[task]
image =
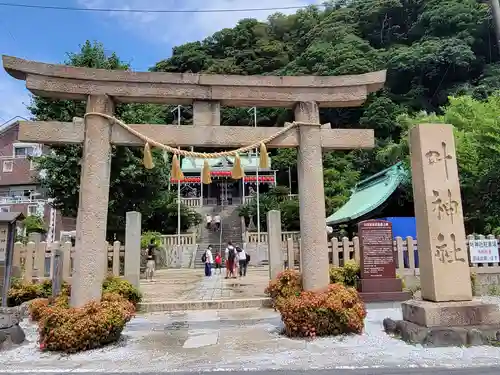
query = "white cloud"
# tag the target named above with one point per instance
(162, 28)
(13, 97)
(177, 28)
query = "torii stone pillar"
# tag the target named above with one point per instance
(93, 203)
(311, 199)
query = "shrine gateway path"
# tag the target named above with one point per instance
(102, 89)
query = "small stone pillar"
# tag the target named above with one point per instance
(274, 243)
(314, 249)
(290, 254)
(93, 204)
(133, 248)
(206, 113)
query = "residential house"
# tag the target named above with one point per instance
(19, 190)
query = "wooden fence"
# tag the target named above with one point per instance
(36, 260)
(405, 259)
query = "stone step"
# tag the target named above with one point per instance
(205, 304)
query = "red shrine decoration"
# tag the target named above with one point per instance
(220, 173)
(246, 179)
(261, 179)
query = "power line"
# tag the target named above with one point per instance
(50, 7)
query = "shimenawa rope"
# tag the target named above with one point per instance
(176, 173)
(193, 154)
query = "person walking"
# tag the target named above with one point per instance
(151, 260)
(217, 220)
(207, 258)
(218, 263)
(208, 219)
(230, 256)
(242, 261)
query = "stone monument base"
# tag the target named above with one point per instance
(438, 324)
(11, 334)
(382, 290)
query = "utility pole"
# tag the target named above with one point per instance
(495, 12)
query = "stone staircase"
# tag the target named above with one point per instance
(230, 231)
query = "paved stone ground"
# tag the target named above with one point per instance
(246, 339)
(192, 285)
(384, 371)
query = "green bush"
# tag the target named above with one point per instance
(70, 330)
(148, 236)
(123, 288)
(21, 291)
(34, 224)
(347, 275)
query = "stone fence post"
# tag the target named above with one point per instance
(274, 243)
(133, 247)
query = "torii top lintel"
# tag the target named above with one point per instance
(66, 82)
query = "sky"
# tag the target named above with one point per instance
(142, 39)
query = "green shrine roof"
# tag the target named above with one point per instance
(248, 162)
(369, 194)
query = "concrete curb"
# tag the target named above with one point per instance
(204, 305)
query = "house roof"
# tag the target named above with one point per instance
(369, 194)
(10, 217)
(249, 162)
(14, 121)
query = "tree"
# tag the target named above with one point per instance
(132, 187)
(34, 224)
(277, 198)
(477, 128)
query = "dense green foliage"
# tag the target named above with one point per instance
(276, 198)
(477, 137)
(132, 186)
(34, 224)
(432, 49)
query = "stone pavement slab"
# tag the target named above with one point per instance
(343, 371)
(179, 289)
(245, 339)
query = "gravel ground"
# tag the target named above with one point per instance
(245, 339)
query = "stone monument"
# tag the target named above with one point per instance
(447, 314)
(378, 281)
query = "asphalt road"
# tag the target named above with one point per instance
(377, 371)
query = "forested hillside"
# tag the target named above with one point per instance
(432, 49)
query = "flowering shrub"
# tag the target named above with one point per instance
(288, 283)
(339, 310)
(69, 330)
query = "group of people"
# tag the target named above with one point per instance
(236, 261)
(213, 223)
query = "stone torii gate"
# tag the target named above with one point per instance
(102, 88)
